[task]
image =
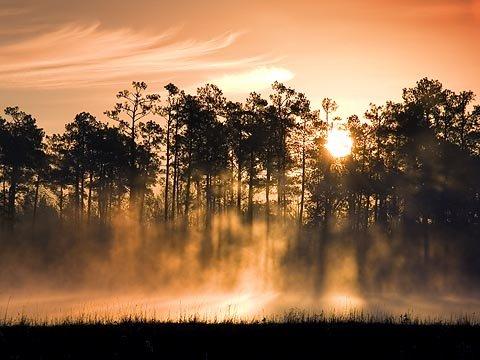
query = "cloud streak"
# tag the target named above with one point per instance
(446, 9)
(253, 80)
(75, 56)
(12, 11)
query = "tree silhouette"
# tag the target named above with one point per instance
(134, 105)
(170, 113)
(412, 178)
(21, 156)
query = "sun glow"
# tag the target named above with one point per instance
(339, 143)
(343, 301)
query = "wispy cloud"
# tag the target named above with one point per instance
(446, 9)
(74, 55)
(12, 11)
(253, 80)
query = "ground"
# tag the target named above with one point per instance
(241, 341)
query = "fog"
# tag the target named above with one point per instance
(229, 270)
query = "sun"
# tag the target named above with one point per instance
(339, 143)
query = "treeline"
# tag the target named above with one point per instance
(179, 158)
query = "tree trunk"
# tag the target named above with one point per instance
(198, 199)
(141, 210)
(12, 194)
(179, 191)
(187, 196)
(77, 199)
(60, 205)
(4, 202)
(89, 199)
(208, 195)
(82, 191)
(35, 201)
(267, 196)
(250, 187)
(279, 196)
(239, 188)
(367, 212)
(351, 210)
(302, 196)
(328, 203)
(175, 192)
(167, 170)
(101, 196)
(133, 160)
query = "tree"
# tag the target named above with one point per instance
(83, 142)
(409, 186)
(287, 104)
(256, 134)
(22, 153)
(134, 105)
(309, 120)
(60, 175)
(148, 161)
(170, 113)
(189, 116)
(235, 128)
(212, 152)
(329, 106)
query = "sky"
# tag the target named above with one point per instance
(58, 58)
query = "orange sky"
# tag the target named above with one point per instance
(58, 58)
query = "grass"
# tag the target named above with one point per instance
(294, 334)
(291, 316)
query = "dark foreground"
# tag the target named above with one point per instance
(237, 341)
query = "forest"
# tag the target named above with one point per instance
(405, 201)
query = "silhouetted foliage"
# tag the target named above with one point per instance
(413, 173)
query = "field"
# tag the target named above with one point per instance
(293, 336)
